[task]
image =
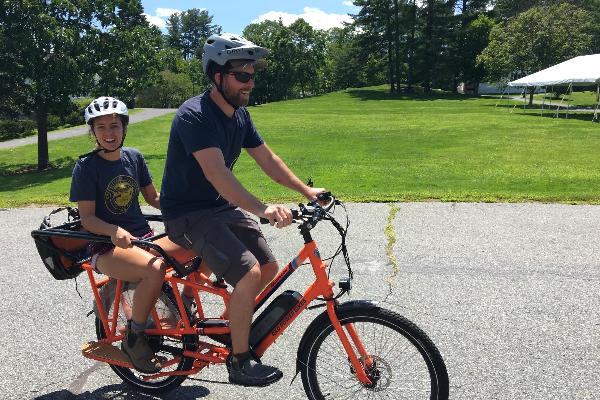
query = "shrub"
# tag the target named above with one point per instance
(171, 90)
(14, 129)
(74, 118)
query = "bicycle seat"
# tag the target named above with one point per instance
(180, 254)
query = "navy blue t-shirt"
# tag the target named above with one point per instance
(114, 186)
(201, 124)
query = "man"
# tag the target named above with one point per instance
(203, 202)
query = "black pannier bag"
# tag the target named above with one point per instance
(62, 255)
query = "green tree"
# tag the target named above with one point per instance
(128, 55)
(277, 80)
(471, 37)
(342, 68)
(436, 50)
(45, 61)
(172, 60)
(169, 91)
(308, 56)
(377, 20)
(475, 36)
(506, 9)
(200, 81)
(187, 31)
(536, 39)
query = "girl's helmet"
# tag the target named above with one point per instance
(228, 46)
(105, 106)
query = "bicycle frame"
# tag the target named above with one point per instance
(212, 354)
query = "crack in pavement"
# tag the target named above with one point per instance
(389, 247)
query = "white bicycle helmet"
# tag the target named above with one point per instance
(229, 46)
(104, 106)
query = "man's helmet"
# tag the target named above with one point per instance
(105, 106)
(228, 46)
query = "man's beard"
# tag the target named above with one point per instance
(235, 97)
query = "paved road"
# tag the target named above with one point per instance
(146, 113)
(508, 292)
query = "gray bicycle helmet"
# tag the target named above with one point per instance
(104, 106)
(229, 46)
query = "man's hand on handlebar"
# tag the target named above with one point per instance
(312, 194)
(278, 216)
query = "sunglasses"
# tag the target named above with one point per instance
(242, 77)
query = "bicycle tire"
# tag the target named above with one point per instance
(408, 365)
(165, 346)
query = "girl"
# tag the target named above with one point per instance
(106, 184)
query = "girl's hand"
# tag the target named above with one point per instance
(121, 238)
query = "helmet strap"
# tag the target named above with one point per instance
(102, 148)
(220, 90)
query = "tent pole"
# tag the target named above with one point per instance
(597, 102)
(543, 102)
(501, 95)
(516, 103)
(562, 98)
(570, 93)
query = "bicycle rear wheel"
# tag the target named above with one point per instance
(168, 347)
(405, 363)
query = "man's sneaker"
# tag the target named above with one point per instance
(136, 346)
(245, 371)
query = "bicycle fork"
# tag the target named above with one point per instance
(359, 368)
(326, 286)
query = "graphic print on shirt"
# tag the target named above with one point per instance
(119, 194)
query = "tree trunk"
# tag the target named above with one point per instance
(397, 44)
(411, 48)
(531, 91)
(428, 45)
(41, 117)
(390, 50)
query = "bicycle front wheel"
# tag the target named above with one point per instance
(403, 362)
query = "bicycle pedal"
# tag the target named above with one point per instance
(107, 353)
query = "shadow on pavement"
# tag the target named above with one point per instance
(123, 391)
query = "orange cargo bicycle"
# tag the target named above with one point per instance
(353, 349)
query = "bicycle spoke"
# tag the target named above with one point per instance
(396, 368)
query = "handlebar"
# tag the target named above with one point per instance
(312, 211)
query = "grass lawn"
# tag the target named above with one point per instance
(584, 99)
(368, 145)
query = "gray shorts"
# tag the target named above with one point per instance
(227, 238)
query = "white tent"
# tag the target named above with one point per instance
(582, 70)
(578, 71)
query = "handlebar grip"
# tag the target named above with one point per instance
(295, 215)
(324, 196)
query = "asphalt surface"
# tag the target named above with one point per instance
(146, 113)
(507, 292)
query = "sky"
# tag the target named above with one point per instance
(235, 15)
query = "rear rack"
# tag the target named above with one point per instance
(66, 231)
